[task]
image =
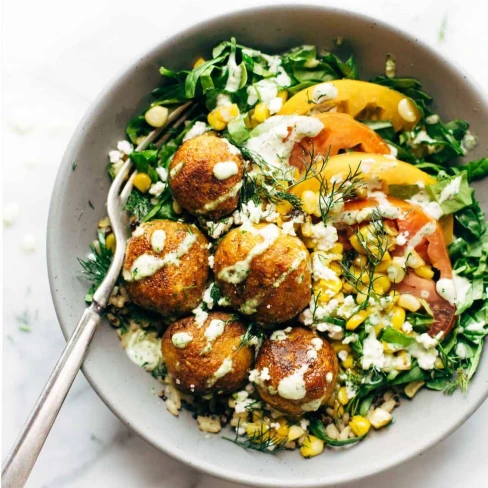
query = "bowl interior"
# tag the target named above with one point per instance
(127, 389)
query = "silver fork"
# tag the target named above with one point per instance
(24, 453)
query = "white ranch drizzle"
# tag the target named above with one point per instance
(176, 169)
(158, 238)
(181, 339)
(209, 206)
(147, 264)
(293, 387)
(238, 272)
(225, 367)
(214, 330)
(225, 169)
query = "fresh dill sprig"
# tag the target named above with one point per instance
(460, 381)
(160, 372)
(254, 336)
(262, 440)
(138, 205)
(95, 267)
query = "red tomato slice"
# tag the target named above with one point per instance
(340, 132)
(432, 248)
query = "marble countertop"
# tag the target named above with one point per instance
(56, 60)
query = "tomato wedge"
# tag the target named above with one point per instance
(340, 132)
(433, 249)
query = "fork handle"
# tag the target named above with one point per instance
(23, 455)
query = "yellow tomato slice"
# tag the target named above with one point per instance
(362, 100)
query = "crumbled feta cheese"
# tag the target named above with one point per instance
(342, 355)
(114, 156)
(275, 105)
(320, 270)
(373, 353)
(407, 327)
(157, 188)
(197, 129)
(350, 339)
(162, 173)
(211, 261)
(324, 236)
(216, 229)
(347, 309)
(317, 343)
(401, 238)
(125, 147)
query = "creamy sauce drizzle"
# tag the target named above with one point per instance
(226, 196)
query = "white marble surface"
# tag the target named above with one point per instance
(57, 57)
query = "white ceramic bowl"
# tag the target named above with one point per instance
(124, 387)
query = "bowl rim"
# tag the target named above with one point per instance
(205, 466)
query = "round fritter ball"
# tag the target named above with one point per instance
(296, 371)
(264, 273)
(166, 267)
(206, 175)
(205, 357)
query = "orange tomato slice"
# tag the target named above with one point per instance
(340, 132)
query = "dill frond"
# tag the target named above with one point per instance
(262, 440)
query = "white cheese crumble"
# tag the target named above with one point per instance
(162, 173)
(197, 129)
(157, 188)
(324, 236)
(324, 92)
(216, 229)
(125, 147)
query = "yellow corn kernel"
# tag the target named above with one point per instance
(228, 112)
(414, 260)
(425, 271)
(390, 229)
(378, 328)
(361, 297)
(386, 256)
(215, 120)
(342, 396)
(177, 208)
(403, 361)
(309, 242)
(338, 409)
(360, 261)
(397, 317)
(261, 112)
(335, 267)
(394, 296)
(383, 266)
(360, 275)
(310, 203)
(348, 362)
(198, 62)
(306, 228)
(359, 425)
(395, 271)
(339, 346)
(356, 320)
(412, 388)
(438, 364)
(110, 242)
(379, 418)
(256, 428)
(381, 284)
(257, 415)
(156, 116)
(387, 347)
(334, 285)
(284, 428)
(358, 245)
(337, 248)
(339, 297)
(408, 302)
(295, 432)
(313, 446)
(142, 182)
(348, 288)
(283, 94)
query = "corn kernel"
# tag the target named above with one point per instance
(414, 260)
(142, 182)
(360, 275)
(383, 266)
(306, 228)
(333, 285)
(386, 256)
(348, 288)
(395, 271)
(215, 120)
(381, 284)
(342, 396)
(390, 229)
(256, 428)
(177, 207)
(403, 361)
(283, 94)
(335, 267)
(397, 317)
(198, 62)
(261, 112)
(157, 116)
(379, 418)
(110, 242)
(310, 202)
(438, 364)
(228, 112)
(359, 425)
(408, 302)
(360, 261)
(339, 346)
(348, 362)
(295, 432)
(412, 388)
(358, 245)
(283, 429)
(312, 446)
(356, 320)
(425, 271)
(337, 248)
(339, 297)
(378, 328)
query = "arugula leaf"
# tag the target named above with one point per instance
(237, 130)
(144, 159)
(394, 336)
(476, 169)
(137, 127)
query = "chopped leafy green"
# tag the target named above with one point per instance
(452, 193)
(394, 336)
(317, 428)
(476, 169)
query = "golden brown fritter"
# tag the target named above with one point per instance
(204, 359)
(193, 182)
(177, 286)
(296, 371)
(264, 273)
